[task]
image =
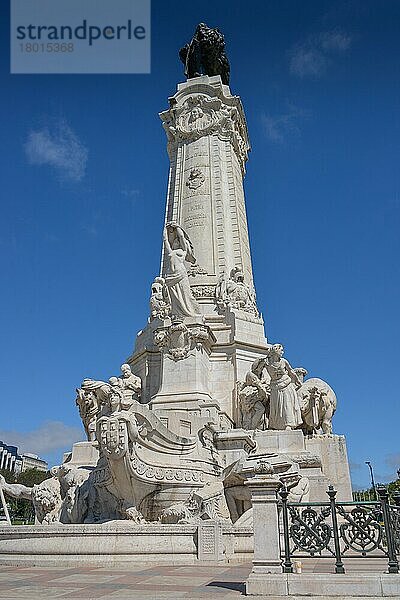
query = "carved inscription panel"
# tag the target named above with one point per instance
(209, 540)
(196, 204)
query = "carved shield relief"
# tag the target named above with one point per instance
(113, 437)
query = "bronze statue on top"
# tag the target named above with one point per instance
(205, 54)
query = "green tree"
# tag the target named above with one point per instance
(9, 476)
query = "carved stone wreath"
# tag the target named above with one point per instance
(177, 341)
(196, 178)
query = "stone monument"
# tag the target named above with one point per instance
(204, 396)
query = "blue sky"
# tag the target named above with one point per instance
(84, 174)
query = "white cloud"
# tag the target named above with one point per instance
(130, 192)
(335, 41)
(312, 57)
(58, 147)
(308, 61)
(279, 127)
(48, 437)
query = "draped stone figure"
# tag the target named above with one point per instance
(179, 249)
(285, 410)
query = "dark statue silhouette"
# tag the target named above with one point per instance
(205, 54)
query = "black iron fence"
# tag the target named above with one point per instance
(340, 530)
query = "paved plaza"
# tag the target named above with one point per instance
(143, 582)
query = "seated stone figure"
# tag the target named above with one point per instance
(131, 386)
(253, 397)
(235, 293)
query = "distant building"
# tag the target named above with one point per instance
(11, 460)
(32, 461)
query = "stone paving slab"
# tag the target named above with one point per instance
(157, 582)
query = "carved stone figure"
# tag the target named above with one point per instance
(253, 397)
(46, 497)
(131, 386)
(205, 54)
(179, 249)
(120, 393)
(88, 411)
(285, 410)
(187, 511)
(252, 400)
(235, 293)
(160, 303)
(298, 487)
(318, 405)
(71, 478)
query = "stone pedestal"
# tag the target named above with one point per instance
(335, 465)
(264, 487)
(83, 454)
(185, 369)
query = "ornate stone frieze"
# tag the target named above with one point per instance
(203, 291)
(157, 474)
(178, 340)
(201, 115)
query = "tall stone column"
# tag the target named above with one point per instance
(263, 488)
(208, 146)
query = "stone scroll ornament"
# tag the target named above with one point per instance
(179, 250)
(205, 54)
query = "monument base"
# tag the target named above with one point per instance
(122, 543)
(316, 586)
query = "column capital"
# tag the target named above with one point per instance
(203, 106)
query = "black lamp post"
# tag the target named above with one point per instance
(367, 462)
